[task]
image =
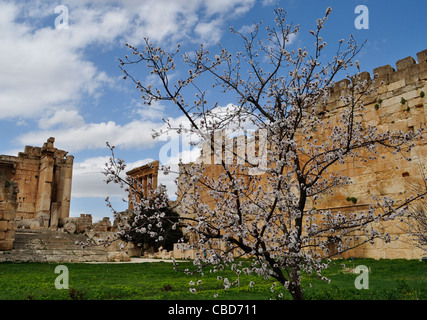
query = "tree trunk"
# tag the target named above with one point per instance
(295, 286)
(296, 292)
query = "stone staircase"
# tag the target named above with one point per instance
(46, 245)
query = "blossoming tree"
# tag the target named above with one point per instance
(269, 216)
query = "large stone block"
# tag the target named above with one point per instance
(422, 56)
(7, 215)
(70, 227)
(382, 71)
(118, 256)
(6, 245)
(398, 83)
(4, 225)
(10, 235)
(404, 63)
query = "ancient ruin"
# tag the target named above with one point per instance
(144, 178)
(43, 177)
(398, 103)
(35, 186)
(35, 193)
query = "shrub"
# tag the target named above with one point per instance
(76, 294)
(170, 235)
(352, 199)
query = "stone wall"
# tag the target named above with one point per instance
(84, 223)
(399, 102)
(8, 206)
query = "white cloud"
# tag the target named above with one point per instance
(168, 20)
(66, 118)
(73, 134)
(246, 29)
(136, 134)
(268, 2)
(154, 111)
(89, 181)
(291, 38)
(211, 30)
(236, 7)
(44, 68)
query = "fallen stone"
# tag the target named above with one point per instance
(118, 256)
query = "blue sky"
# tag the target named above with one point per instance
(66, 83)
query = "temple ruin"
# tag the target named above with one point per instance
(35, 186)
(144, 178)
(42, 176)
(35, 193)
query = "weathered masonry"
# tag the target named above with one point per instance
(145, 178)
(43, 176)
(399, 102)
(8, 205)
(35, 222)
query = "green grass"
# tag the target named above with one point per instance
(388, 279)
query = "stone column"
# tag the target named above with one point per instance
(55, 211)
(144, 185)
(154, 180)
(57, 192)
(67, 182)
(44, 189)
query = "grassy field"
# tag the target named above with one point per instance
(388, 279)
